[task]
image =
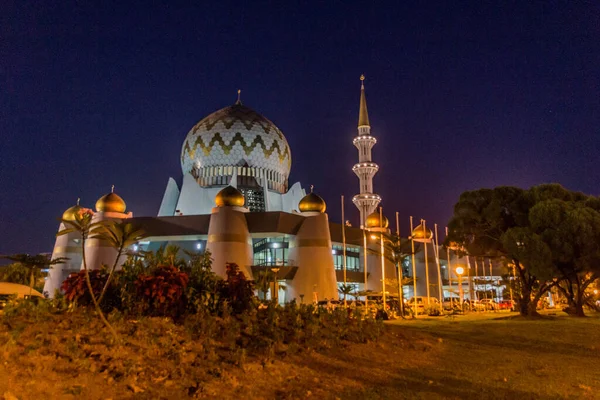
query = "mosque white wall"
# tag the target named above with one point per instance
(170, 199)
(229, 240)
(64, 246)
(98, 251)
(311, 248)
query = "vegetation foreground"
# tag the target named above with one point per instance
(499, 356)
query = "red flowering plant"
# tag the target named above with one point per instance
(77, 291)
(162, 292)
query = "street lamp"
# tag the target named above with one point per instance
(398, 269)
(460, 271)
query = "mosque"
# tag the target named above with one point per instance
(235, 201)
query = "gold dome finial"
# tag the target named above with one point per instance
(78, 200)
(422, 234)
(312, 202)
(69, 214)
(373, 220)
(230, 197)
(239, 99)
(111, 202)
(363, 115)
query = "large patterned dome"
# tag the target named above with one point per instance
(239, 138)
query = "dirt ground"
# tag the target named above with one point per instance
(491, 357)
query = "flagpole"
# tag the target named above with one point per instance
(365, 267)
(399, 266)
(414, 268)
(426, 259)
(344, 249)
(439, 267)
(382, 257)
(449, 270)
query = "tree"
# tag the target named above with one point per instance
(346, 290)
(571, 230)
(494, 223)
(84, 225)
(120, 236)
(550, 234)
(34, 264)
(14, 273)
(264, 281)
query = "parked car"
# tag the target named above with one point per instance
(9, 291)
(451, 303)
(423, 305)
(507, 305)
(489, 304)
(474, 305)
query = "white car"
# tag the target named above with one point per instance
(489, 304)
(422, 302)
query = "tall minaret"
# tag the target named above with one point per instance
(365, 169)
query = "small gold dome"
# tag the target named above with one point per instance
(422, 234)
(111, 202)
(374, 222)
(230, 197)
(312, 203)
(69, 214)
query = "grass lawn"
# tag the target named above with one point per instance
(476, 356)
(500, 355)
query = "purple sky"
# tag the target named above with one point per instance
(461, 96)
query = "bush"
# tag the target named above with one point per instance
(76, 290)
(162, 292)
(237, 290)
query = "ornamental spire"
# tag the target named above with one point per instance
(363, 115)
(239, 99)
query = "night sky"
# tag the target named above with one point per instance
(460, 95)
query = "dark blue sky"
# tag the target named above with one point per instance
(460, 95)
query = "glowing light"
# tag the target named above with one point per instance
(198, 246)
(460, 270)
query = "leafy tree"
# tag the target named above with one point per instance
(14, 273)
(571, 230)
(494, 223)
(549, 233)
(34, 264)
(264, 281)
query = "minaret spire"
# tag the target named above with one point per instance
(363, 115)
(366, 201)
(239, 99)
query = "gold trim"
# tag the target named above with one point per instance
(67, 249)
(227, 237)
(312, 243)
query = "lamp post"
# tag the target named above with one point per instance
(275, 285)
(382, 258)
(398, 266)
(460, 271)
